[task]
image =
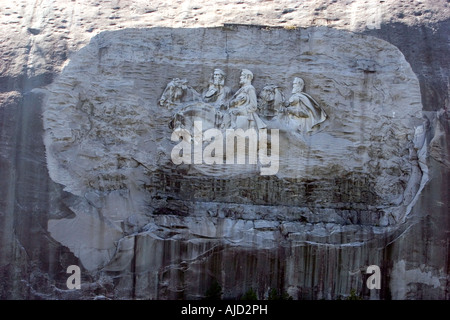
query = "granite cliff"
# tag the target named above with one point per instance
(87, 177)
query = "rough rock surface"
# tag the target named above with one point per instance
(87, 179)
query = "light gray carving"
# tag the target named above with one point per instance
(302, 110)
(243, 104)
(217, 93)
(176, 92)
(271, 101)
(215, 108)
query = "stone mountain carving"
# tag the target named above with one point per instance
(177, 91)
(271, 101)
(243, 109)
(217, 92)
(345, 187)
(303, 110)
(243, 104)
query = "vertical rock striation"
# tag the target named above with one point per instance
(86, 175)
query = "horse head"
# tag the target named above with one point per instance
(177, 91)
(271, 100)
(173, 92)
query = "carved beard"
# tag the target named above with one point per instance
(219, 82)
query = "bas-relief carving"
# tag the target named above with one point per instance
(176, 92)
(217, 93)
(302, 109)
(243, 104)
(218, 108)
(310, 190)
(271, 101)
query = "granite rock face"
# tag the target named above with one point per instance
(89, 180)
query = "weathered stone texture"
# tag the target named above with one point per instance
(86, 179)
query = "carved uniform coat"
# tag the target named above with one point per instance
(244, 101)
(305, 110)
(217, 95)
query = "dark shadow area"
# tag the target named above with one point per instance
(32, 264)
(426, 48)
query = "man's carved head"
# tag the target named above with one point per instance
(298, 85)
(218, 77)
(246, 76)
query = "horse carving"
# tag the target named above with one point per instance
(178, 92)
(271, 101)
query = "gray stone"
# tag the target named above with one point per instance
(329, 230)
(94, 126)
